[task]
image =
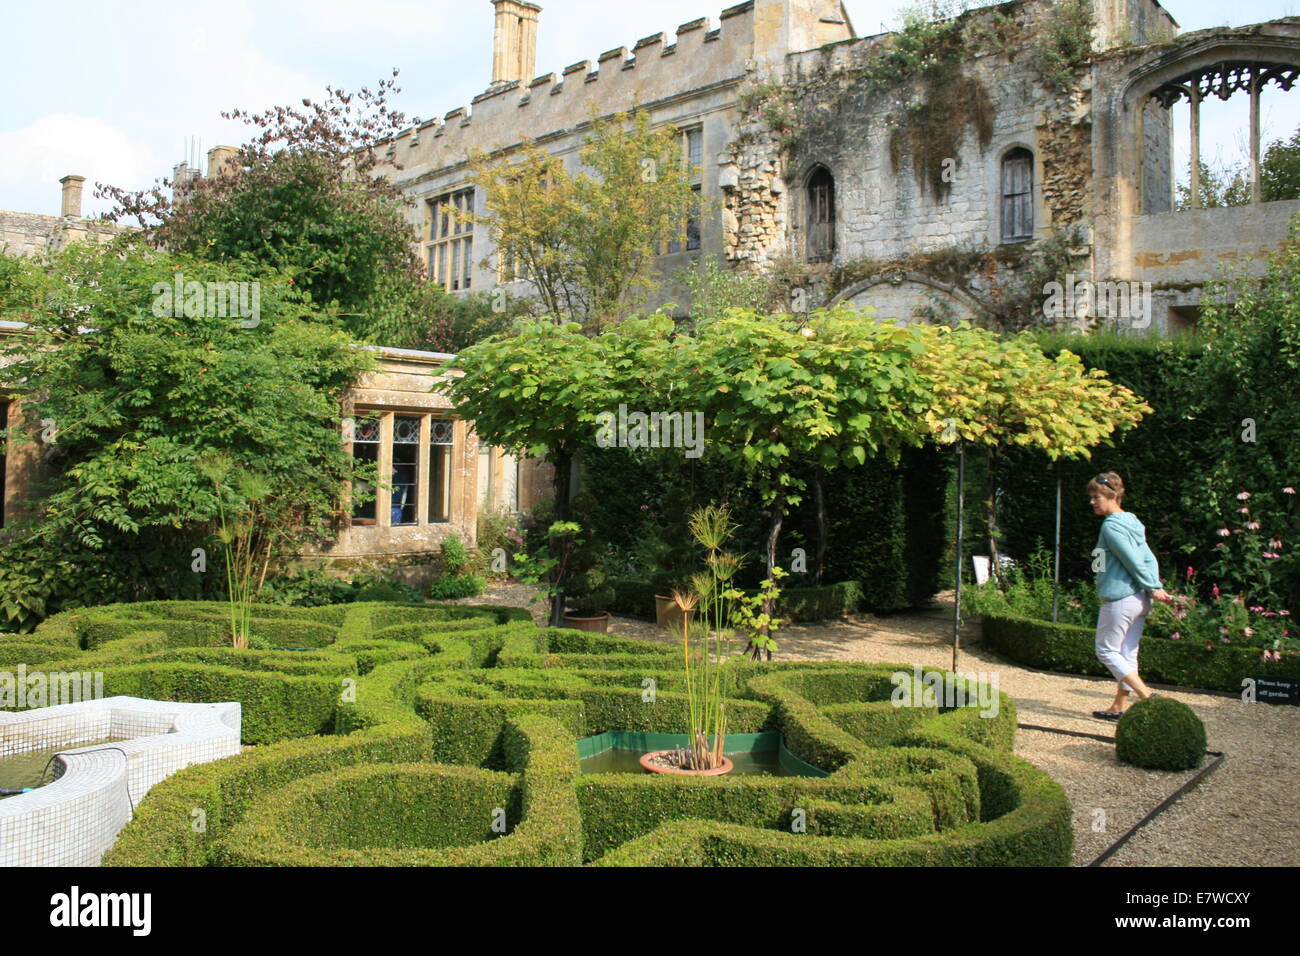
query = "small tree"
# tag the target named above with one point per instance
(303, 197)
(778, 396)
(586, 240)
(541, 389)
(126, 393)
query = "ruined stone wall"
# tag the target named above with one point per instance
(27, 234)
(884, 210)
(1157, 159)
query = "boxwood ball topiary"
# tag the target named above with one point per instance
(1160, 734)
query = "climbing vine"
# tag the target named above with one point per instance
(1065, 45)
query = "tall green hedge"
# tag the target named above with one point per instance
(886, 524)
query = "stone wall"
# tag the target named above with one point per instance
(27, 234)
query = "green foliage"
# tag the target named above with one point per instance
(1066, 43)
(1280, 169)
(586, 240)
(1246, 391)
(586, 588)
(301, 197)
(716, 290)
(1160, 733)
(1220, 186)
(1027, 589)
(440, 736)
(451, 587)
(1072, 649)
(135, 405)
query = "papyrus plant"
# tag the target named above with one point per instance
(707, 638)
(239, 526)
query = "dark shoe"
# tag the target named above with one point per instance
(1107, 714)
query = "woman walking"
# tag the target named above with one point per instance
(1127, 579)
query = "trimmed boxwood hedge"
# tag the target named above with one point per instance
(828, 602)
(396, 741)
(1072, 649)
(1160, 733)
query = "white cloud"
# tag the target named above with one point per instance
(34, 158)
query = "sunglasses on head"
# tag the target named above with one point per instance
(1103, 480)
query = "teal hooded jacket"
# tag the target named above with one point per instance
(1128, 565)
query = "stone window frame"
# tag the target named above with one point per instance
(449, 251)
(993, 189)
(806, 207)
(690, 239)
(1268, 52)
(1034, 192)
(424, 467)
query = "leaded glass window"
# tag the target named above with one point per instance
(365, 448)
(406, 469)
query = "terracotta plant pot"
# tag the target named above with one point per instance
(726, 767)
(668, 614)
(598, 623)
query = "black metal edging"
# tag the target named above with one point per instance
(1164, 805)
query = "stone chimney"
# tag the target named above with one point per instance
(219, 158)
(182, 175)
(514, 49)
(72, 195)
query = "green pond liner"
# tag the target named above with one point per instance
(767, 742)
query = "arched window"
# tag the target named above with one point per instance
(1018, 195)
(821, 215)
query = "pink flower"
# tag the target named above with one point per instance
(1223, 631)
(1288, 490)
(1224, 532)
(1225, 639)
(1252, 525)
(1176, 636)
(1270, 613)
(1285, 613)
(1244, 511)
(645, 507)
(1248, 631)
(1220, 546)
(1257, 608)
(1191, 573)
(1244, 496)
(1267, 655)
(1216, 592)
(1270, 554)
(1275, 544)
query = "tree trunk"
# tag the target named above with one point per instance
(563, 462)
(774, 533)
(819, 497)
(991, 515)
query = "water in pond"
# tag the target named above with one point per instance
(763, 762)
(23, 770)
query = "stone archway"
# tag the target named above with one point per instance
(911, 297)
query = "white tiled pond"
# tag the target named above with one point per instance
(73, 820)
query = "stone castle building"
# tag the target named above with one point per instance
(923, 192)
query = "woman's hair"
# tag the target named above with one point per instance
(1109, 484)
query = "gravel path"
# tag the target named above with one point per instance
(1243, 814)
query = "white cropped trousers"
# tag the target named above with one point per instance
(1119, 629)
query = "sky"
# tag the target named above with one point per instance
(115, 91)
